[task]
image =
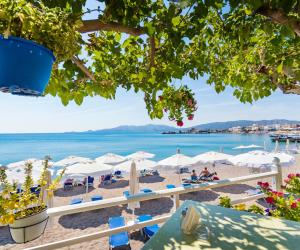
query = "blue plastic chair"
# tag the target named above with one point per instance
(186, 184)
(148, 231)
(126, 193)
(96, 198)
(76, 201)
(169, 186)
(121, 239)
(146, 190)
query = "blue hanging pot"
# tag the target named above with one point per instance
(25, 66)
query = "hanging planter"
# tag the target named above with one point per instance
(29, 228)
(25, 66)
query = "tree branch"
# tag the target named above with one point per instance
(152, 51)
(280, 17)
(84, 69)
(96, 25)
(292, 88)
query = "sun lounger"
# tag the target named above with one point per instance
(107, 179)
(186, 184)
(118, 174)
(121, 239)
(36, 190)
(148, 231)
(126, 193)
(76, 201)
(169, 186)
(96, 198)
(146, 190)
(68, 184)
(90, 181)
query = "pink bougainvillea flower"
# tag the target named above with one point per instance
(190, 103)
(180, 123)
(265, 185)
(294, 205)
(259, 183)
(287, 180)
(298, 199)
(291, 176)
(298, 175)
(191, 117)
(270, 200)
(280, 194)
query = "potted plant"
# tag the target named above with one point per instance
(25, 209)
(32, 38)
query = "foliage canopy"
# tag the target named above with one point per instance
(252, 46)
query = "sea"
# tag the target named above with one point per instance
(17, 147)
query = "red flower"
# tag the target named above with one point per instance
(298, 199)
(259, 183)
(265, 185)
(180, 123)
(270, 200)
(294, 205)
(291, 175)
(280, 194)
(191, 117)
(297, 175)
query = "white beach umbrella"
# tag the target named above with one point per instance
(71, 160)
(133, 186)
(248, 146)
(212, 157)
(89, 169)
(21, 164)
(258, 159)
(18, 175)
(141, 164)
(110, 158)
(140, 155)
(277, 148)
(18, 167)
(176, 161)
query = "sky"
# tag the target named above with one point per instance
(47, 114)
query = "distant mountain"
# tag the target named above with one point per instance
(243, 123)
(142, 128)
(213, 125)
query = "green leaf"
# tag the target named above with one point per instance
(280, 68)
(176, 20)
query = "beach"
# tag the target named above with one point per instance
(83, 223)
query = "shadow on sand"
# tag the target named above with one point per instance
(118, 184)
(233, 189)
(5, 237)
(153, 207)
(202, 195)
(89, 219)
(72, 192)
(151, 179)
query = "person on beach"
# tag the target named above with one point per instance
(204, 173)
(194, 175)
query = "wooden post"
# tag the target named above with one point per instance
(176, 201)
(278, 177)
